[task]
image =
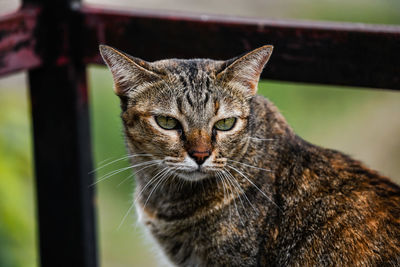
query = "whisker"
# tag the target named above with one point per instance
(234, 200)
(126, 179)
(218, 181)
(250, 166)
(126, 215)
(182, 182)
(119, 159)
(233, 180)
(231, 192)
(112, 173)
(162, 177)
(134, 202)
(155, 162)
(244, 176)
(149, 183)
(171, 175)
(261, 139)
(108, 175)
(174, 177)
(219, 175)
(243, 192)
(136, 172)
(104, 161)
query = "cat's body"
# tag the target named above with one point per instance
(251, 195)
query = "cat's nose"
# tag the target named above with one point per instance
(199, 156)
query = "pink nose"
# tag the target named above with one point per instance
(199, 156)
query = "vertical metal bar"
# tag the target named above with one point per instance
(62, 150)
(62, 166)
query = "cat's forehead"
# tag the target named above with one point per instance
(194, 89)
(189, 67)
(195, 77)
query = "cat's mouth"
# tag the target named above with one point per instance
(189, 170)
(195, 175)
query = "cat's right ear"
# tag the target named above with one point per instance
(244, 72)
(129, 73)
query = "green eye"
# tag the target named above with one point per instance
(225, 124)
(167, 123)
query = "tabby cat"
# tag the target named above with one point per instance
(222, 179)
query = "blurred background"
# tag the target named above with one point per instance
(361, 122)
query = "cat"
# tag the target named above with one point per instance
(222, 179)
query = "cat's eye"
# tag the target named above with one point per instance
(225, 124)
(167, 123)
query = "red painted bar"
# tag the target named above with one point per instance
(17, 41)
(316, 52)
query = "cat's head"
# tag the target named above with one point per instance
(190, 116)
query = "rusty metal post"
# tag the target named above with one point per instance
(62, 149)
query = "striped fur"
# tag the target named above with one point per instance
(264, 196)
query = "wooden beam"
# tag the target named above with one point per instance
(314, 52)
(17, 41)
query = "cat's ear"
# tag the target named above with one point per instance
(129, 73)
(244, 72)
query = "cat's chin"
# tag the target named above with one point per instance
(193, 175)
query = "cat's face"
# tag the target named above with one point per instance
(190, 116)
(190, 122)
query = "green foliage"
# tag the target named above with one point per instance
(16, 199)
(305, 106)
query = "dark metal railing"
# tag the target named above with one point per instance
(55, 40)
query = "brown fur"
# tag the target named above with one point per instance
(266, 197)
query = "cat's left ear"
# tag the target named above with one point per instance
(244, 72)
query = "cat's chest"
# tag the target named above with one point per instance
(210, 240)
(174, 242)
